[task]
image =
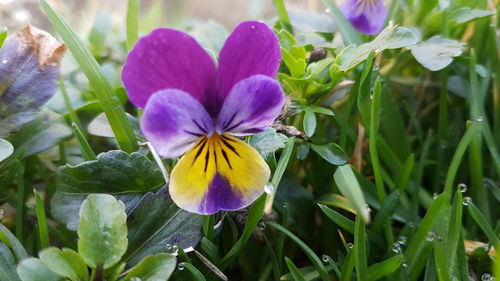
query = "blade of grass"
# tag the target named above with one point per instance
(349, 34)
(278, 173)
(414, 250)
(308, 251)
(349, 186)
(294, 271)
(72, 113)
(109, 101)
(457, 156)
(441, 263)
(283, 18)
(132, 22)
(87, 152)
(348, 266)
(195, 273)
(384, 268)
(374, 114)
(20, 204)
(386, 211)
(254, 216)
(454, 231)
(42, 221)
(480, 219)
(404, 178)
(360, 249)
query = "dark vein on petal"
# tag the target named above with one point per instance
(230, 147)
(201, 146)
(225, 157)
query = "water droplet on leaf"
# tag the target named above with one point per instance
(181, 266)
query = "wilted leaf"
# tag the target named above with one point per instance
(156, 222)
(390, 38)
(102, 231)
(437, 52)
(46, 131)
(114, 172)
(33, 269)
(153, 268)
(467, 14)
(29, 67)
(6, 149)
(268, 141)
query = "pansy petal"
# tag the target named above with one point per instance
(252, 48)
(251, 106)
(173, 121)
(220, 173)
(168, 59)
(367, 16)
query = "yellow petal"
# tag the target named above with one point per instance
(220, 172)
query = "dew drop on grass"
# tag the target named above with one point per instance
(467, 201)
(435, 195)
(325, 258)
(486, 277)
(172, 249)
(430, 236)
(396, 248)
(350, 245)
(268, 188)
(402, 240)
(462, 187)
(181, 266)
(261, 225)
(480, 119)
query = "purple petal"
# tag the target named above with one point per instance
(251, 49)
(169, 59)
(367, 16)
(251, 106)
(173, 121)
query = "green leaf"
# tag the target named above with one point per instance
(294, 271)
(331, 152)
(100, 33)
(268, 141)
(109, 101)
(337, 218)
(197, 275)
(336, 200)
(102, 231)
(46, 131)
(467, 14)
(7, 264)
(481, 220)
(387, 209)
(297, 66)
(3, 35)
(27, 81)
(6, 149)
(384, 268)
(307, 250)
(350, 188)
(153, 268)
(360, 249)
(132, 22)
(11, 241)
(282, 15)
(278, 173)
(437, 52)
(155, 222)
(33, 269)
(87, 152)
(66, 263)
(114, 172)
(321, 110)
(309, 122)
(392, 37)
(42, 220)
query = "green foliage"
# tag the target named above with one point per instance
(384, 162)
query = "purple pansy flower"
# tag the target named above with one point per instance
(367, 16)
(195, 108)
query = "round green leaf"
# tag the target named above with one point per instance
(66, 263)
(33, 269)
(153, 268)
(331, 152)
(102, 231)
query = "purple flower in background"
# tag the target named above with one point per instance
(367, 16)
(195, 108)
